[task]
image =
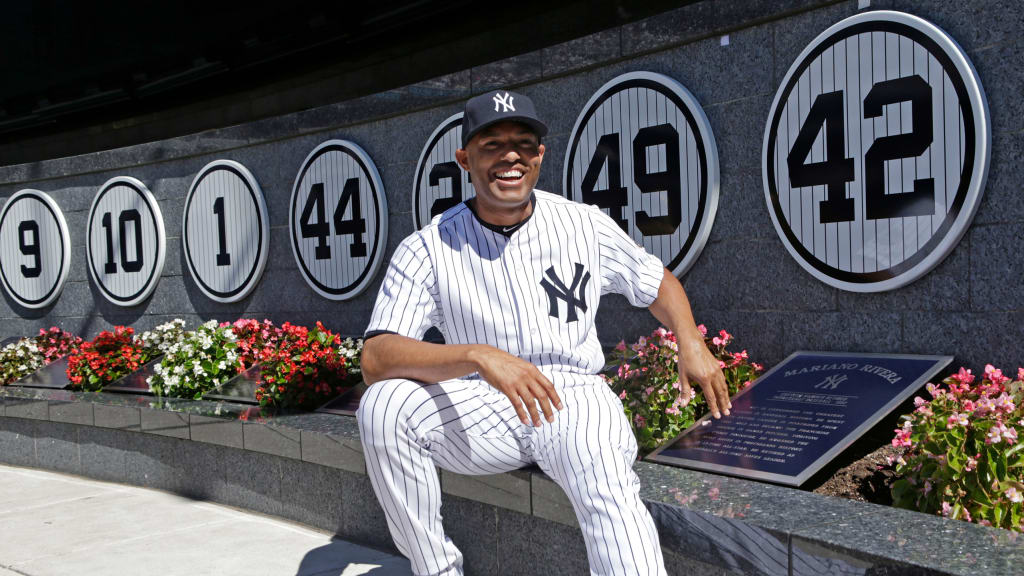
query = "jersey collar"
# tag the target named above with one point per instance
(506, 231)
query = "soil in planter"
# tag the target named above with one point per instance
(862, 471)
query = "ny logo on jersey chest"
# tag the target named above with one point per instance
(557, 290)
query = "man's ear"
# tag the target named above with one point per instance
(540, 151)
(462, 157)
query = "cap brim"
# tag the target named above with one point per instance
(539, 128)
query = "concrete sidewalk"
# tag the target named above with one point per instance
(53, 524)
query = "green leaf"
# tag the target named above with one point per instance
(1001, 466)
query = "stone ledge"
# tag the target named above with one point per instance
(720, 524)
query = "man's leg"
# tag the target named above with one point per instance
(407, 427)
(589, 451)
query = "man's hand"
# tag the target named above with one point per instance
(697, 363)
(518, 379)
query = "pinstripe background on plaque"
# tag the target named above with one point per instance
(626, 112)
(50, 247)
(442, 151)
(115, 201)
(341, 271)
(854, 65)
(241, 231)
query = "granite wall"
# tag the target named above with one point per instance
(731, 56)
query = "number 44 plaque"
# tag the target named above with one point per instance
(801, 414)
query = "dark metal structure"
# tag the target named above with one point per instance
(72, 69)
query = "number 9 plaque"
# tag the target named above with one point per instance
(642, 150)
(35, 250)
(876, 151)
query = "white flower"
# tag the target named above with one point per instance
(221, 365)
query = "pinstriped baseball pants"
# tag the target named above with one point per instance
(468, 427)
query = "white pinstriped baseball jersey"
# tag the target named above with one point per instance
(533, 292)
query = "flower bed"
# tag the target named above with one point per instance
(197, 363)
(108, 357)
(27, 355)
(299, 367)
(647, 382)
(962, 456)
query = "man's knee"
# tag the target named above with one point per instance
(384, 404)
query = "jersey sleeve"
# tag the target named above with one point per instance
(405, 304)
(626, 267)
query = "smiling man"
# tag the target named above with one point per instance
(512, 279)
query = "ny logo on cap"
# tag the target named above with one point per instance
(504, 101)
(557, 290)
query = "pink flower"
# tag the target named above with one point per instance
(1005, 403)
(758, 367)
(964, 376)
(903, 436)
(994, 435)
(927, 487)
(621, 346)
(985, 405)
(1013, 495)
(640, 421)
(918, 402)
(972, 463)
(946, 509)
(747, 384)
(702, 329)
(956, 419)
(622, 395)
(968, 406)
(1020, 374)
(934, 390)
(1010, 435)
(717, 341)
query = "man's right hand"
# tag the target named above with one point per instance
(521, 381)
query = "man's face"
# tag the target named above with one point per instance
(503, 161)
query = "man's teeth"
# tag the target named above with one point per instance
(510, 174)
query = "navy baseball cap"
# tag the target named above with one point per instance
(499, 106)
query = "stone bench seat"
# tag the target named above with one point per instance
(309, 468)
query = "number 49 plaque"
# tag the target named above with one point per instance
(643, 151)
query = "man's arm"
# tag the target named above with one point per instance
(696, 363)
(396, 356)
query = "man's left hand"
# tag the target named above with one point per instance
(697, 364)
